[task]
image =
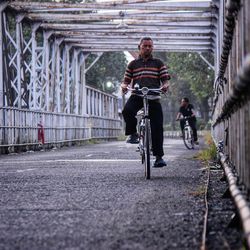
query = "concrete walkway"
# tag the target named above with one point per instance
(96, 197)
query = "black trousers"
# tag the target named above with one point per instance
(192, 123)
(132, 106)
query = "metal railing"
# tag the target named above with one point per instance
(231, 116)
(22, 129)
(232, 9)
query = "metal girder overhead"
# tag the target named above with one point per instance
(183, 21)
(114, 5)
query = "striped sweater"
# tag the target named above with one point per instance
(151, 73)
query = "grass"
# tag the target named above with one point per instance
(208, 154)
(199, 192)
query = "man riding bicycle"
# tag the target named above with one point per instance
(146, 71)
(187, 110)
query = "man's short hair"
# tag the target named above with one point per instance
(146, 38)
(185, 99)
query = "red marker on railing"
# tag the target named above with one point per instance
(40, 133)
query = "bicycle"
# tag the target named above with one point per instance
(187, 133)
(144, 128)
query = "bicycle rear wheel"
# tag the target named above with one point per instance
(188, 138)
(147, 148)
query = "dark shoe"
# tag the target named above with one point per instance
(159, 163)
(133, 139)
(196, 142)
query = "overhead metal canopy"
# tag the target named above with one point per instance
(174, 25)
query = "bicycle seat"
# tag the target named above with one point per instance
(140, 112)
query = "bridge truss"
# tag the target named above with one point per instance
(46, 44)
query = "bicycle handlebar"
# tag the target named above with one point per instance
(145, 90)
(185, 118)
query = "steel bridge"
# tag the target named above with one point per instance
(44, 47)
(43, 90)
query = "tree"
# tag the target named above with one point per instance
(190, 77)
(109, 68)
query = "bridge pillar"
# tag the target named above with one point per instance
(20, 73)
(57, 79)
(33, 102)
(2, 7)
(83, 83)
(76, 74)
(46, 70)
(67, 79)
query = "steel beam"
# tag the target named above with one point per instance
(169, 49)
(130, 37)
(118, 5)
(76, 73)
(18, 101)
(2, 7)
(58, 83)
(46, 69)
(33, 102)
(131, 24)
(111, 43)
(45, 17)
(67, 79)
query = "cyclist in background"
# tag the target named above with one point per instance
(187, 110)
(146, 71)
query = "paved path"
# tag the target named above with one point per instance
(96, 197)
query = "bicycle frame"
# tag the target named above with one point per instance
(143, 125)
(144, 129)
(188, 138)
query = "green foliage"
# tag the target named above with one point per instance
(210, 152)
(190, 70)
(110, 67)
(190, 77)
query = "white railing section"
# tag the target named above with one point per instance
(28, 128)
(101, 104)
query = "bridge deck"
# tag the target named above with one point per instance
(96, 197)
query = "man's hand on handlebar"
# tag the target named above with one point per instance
(165, 87)
(124, 88)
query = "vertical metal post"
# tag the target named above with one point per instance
(33, 94)
(57, 80)
(76, 81)
(2, 103)
(46, 68)
(72, 81)
(219, 36)
(81, 60)
(19, 65)
(67, 80)
(63, 79)
(2, 6)
(52, 85)
(83, 81)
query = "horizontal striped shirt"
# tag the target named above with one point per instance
(151, 73)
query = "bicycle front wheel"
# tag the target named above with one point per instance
(188, 138)
(147, 148)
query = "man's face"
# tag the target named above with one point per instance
(146, 48)
(184, 103)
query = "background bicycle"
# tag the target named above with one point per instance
(187, 133)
